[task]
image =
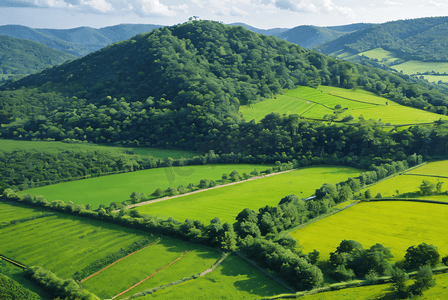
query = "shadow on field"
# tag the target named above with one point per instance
(386, 294)
(252, 281)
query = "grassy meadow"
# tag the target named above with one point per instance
(414, 66)
(316, 103)
(12, 211)
(436, 78)
(137, 267)
(233, 279)
(397, 225)
(55, 147)
(380, 54)
(227, 202)
(437, 168)
(118, 188)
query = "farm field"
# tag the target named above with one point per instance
(323, 100)
(233, 279)
(64, 244)
(380, 54)
(11, 211)
(227, 202)
(55, 147)
(397, 225)
(118, 188)
(414, 66)
(382, 291)
(437, 168)
(436, 78)
(137, 267)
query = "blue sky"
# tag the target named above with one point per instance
(266, 14)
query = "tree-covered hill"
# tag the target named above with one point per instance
(421, 39)
(182, 86)
(309, 36)
(18, 56)
(77, 41)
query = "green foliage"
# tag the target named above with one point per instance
(12, 290)
(427, 187)
(423, 281)
(399, 278)
(421, 255)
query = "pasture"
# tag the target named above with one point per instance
(118, 188)
(226, 202)
(55, 147)
(382, 291)
(397, 225)
(436, 78)
(437, 168)
(358, 95)
(381, 55)
(233, 279)
(137, 267)
(12, 211)
(414, 66)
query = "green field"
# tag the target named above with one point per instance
(144, 263)
(437, 168)
(383, 291)
(233, 279)
(12, 211)
(55, 147)
(118, 188)
(397, 225)
(414, 66)
(227, 202)
(316, 103)
(436, 78)
(380, 54)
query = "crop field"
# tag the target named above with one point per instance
(316, 103)
(397, 225)
(414, 66)
(382, 291)
(137, 267)
(380, 54)
(55, 147)
(118, 188)
(437, 168)
(233, 279)
(63, 244)
(227, 202)
(436, 78)
(11, 211)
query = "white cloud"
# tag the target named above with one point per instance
(434, 3)
(307, 6)
(236, 12)
(392, 3)
(142, 8)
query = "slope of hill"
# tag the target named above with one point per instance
(18, 56)
(350, 27)
(420, 39)
(272, 31)
(309, 36)
(77, 41)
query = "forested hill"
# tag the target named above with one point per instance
(309, 36)
(18, 56)
(180, 86)
(420, 39)
(77, 41)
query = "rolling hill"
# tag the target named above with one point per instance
(19, 56)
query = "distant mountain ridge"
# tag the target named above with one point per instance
(77, 41)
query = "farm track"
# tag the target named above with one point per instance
(96, 273)
(203, 190)
(138, 283)
(13, 262)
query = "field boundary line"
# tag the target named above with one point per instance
(357, 100)
(407, 200)
(13, 262)
(96, 273)
(138, 283)
(437, 176)
(272, 277)
(183, 280)
(203, 190)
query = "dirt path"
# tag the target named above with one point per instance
(203, 190)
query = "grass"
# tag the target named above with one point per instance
(11, 211)
(55, 147)
(380, 54)
(118, 188)
(227, 202)
(316, 103)
(383, 292)
(436, 78)
(414, 66)
(233, 279)
(397, 225)
(437, 168)
(63, 244)
(142, 264)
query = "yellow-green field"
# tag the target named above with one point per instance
(414, 66)
(380, 54)
(233, 279)
(118, 188)
(397, 225)
(316, 103)
(383, 291)
(436, 78)
(227, 202)
(437, 168)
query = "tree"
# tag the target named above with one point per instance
(399, 278)
(439, 187)
(427, 187)
(423, 281)
(421, 255)
(368, 194)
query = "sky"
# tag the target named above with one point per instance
(263, 14)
